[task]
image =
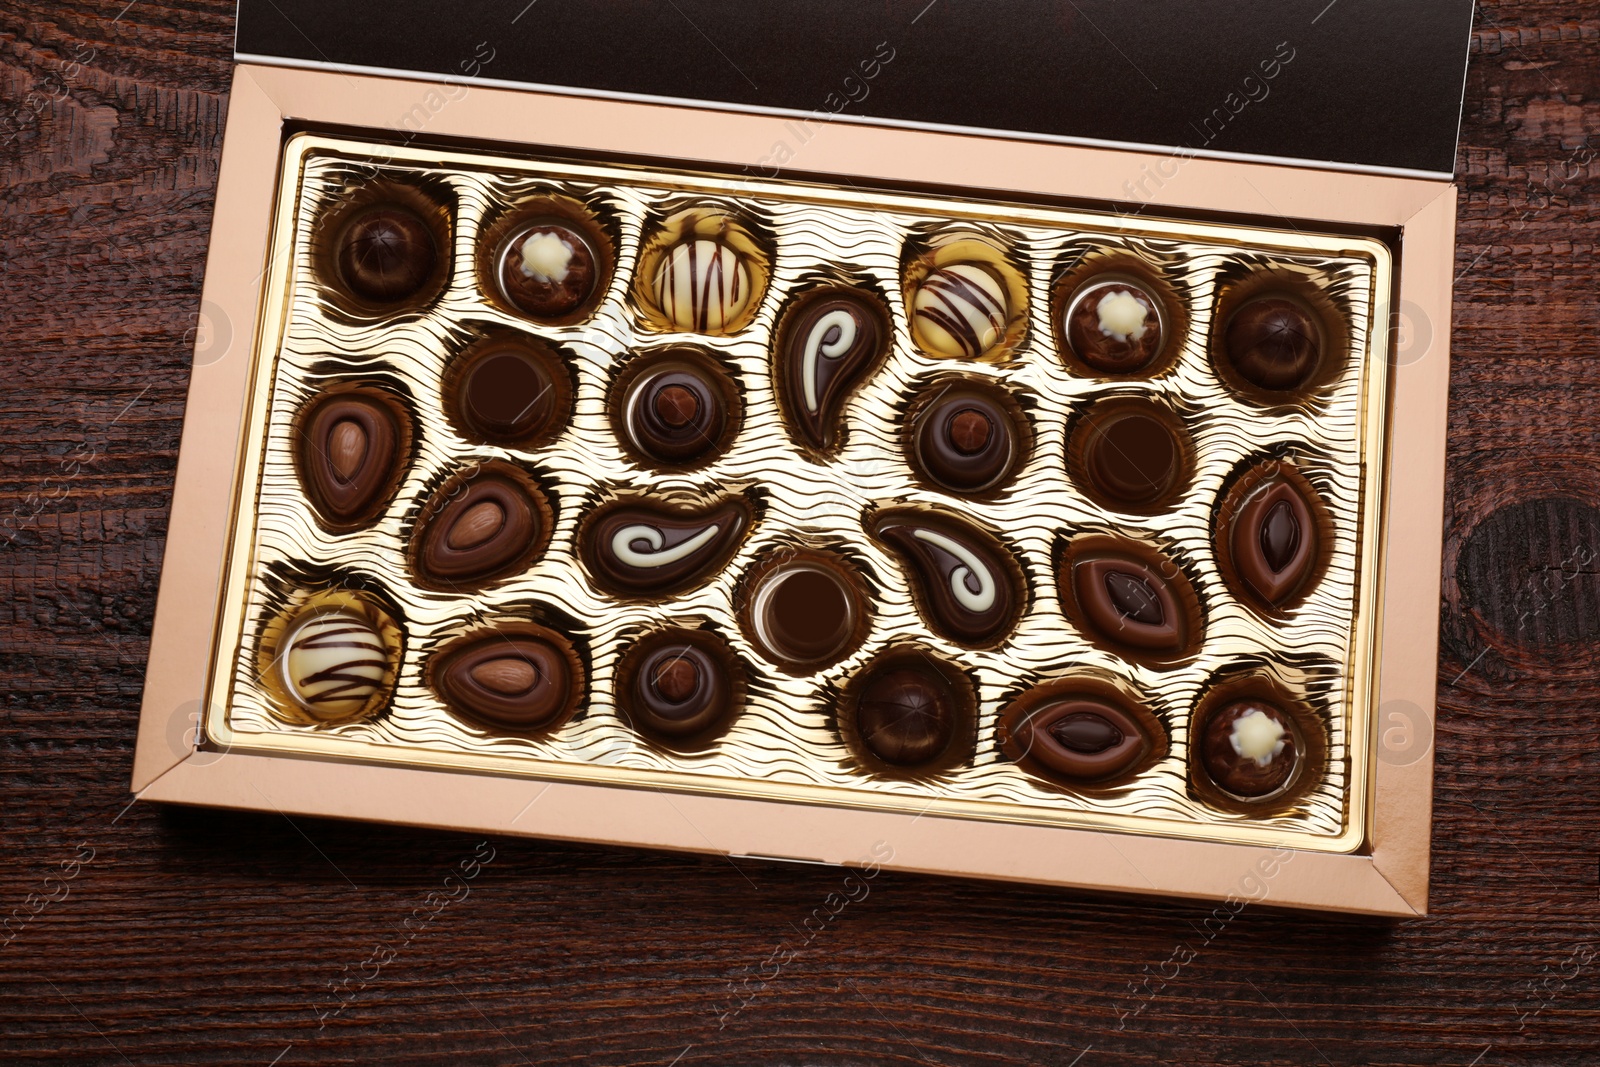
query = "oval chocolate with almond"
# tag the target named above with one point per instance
(517, 680)
(477, 529)
(348, 457)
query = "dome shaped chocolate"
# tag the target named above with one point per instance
(1274, 343)
(960, 310)
(905, 715)
(386, 253)
(965, 438)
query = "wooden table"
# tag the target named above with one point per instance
(165, 936)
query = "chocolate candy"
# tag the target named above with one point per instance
(348, 457)
(826, 346)
(548, 269)
(702, 285)
(1250, 749)
(386, 253)
(965, 437)
(678, 410)
(525, 679)
(960, 310)
(1274, 342)
(1129, 453)
(1136, 606)
(648, 549)
(805, 611)
(905, 714)
(334, 663)
(1273, 539)
(1115, 326)
(477, 529)
(1075, 738)
(509, 393)
(677, 685)
(965, 585)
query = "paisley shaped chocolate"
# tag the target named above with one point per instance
(702, 285)
(348, 457)
(477, 529)
(960, 310)
(964, 437)
(1133, 601)
(679, 410)
(522, 680)
(646, 549)
(677, 685)
(1076, 738)
(1273, 541)
(828, 342)
(967, 587)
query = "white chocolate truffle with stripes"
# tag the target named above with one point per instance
(960, 310)
(333, 663)
(702, 286)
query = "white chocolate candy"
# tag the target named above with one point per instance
(960, 310)
(546, 257)
(334, 663)
(1258, 737)
(702, 285)
(1122, 315)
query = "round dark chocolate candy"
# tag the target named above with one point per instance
(349, 454)
(964, 585)
(1078, 739)
(827, 344)
(386, 253)
(1250, 749)
(1137, 607)
(1131, 456)
(509, 395)
(676, 412)
(479, 529)
(1115, 326)
(515, 680)
(548, 269)
(806, 612)
(1274, 342)
(1274, 541)
(647, 549)
(905, 715)
(965, 439)
(677, 685)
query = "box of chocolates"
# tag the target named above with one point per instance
(920, 508)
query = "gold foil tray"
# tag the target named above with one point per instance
(784, 745)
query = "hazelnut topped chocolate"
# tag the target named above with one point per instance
(678, 686)
(677, 407)
(965, 436)
(520, 678)
(1115, 326)
(386, 253)
(481, 525)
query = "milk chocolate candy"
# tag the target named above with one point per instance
(1115, 326)
(478, 528)
(827, 344)
(1274, 541)
(679, 409)
(549, 269)
(521, 680)
(1133, 601)
(1076, 738)
(1250, 749)
(966, 586)
(349, 456)
(645, 549)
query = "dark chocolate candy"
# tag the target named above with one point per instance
(1274, 342)
(965, 438)
(647, 549)
(966, 590)
(677, 684)
(1130, 605)
(676, 412)
(806, 611)
(1131, 457)
(1079, 738)
(518, 680)
(1250, 749)
(827, 344)
(349, 455)
(510, 394)
(386, 253)
(1115, 327)
(1274, 541)
(905, 714)
(548, 269)
(482, 528)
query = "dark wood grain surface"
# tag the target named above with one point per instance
(149, 936)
